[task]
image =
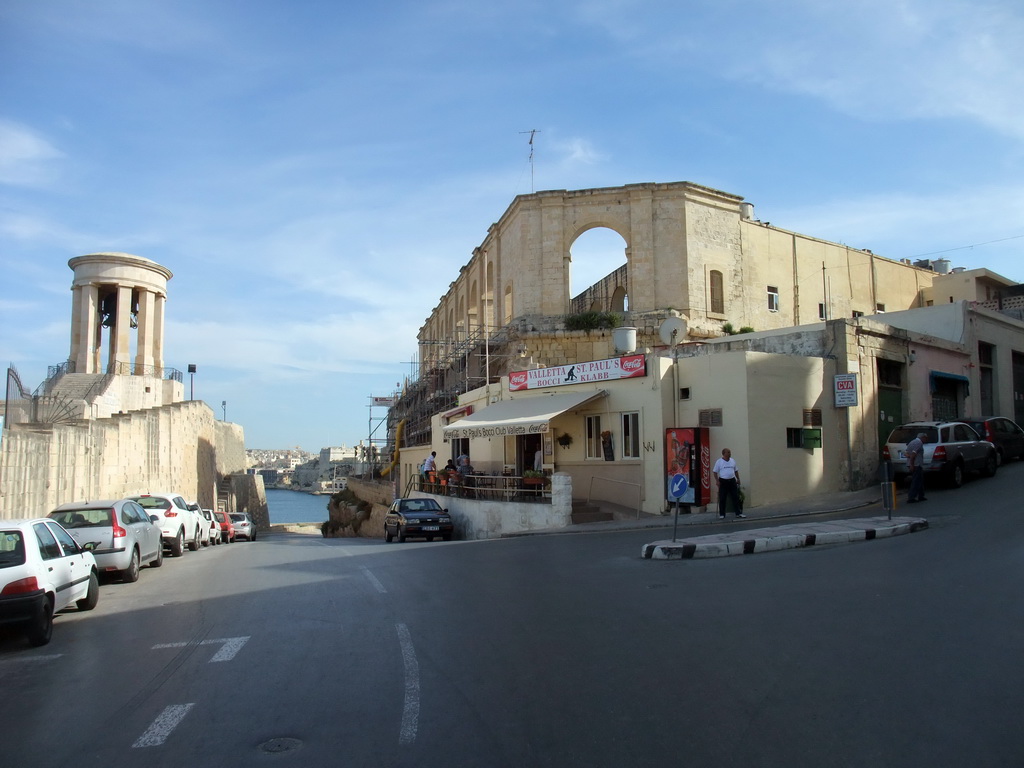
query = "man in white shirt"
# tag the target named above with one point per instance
(728, 477)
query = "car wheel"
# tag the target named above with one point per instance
(956, 476)
(194, 544)
(388, 535)
(999, 458)
(40, 628)
(401, 535)
(253, 537)
(131, 573)
(991, 464)
(92, 596)
(159, 557)
(178, 545)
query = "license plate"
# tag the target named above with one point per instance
(431, 527)
(902, 455)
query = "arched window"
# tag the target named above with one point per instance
(717, 292)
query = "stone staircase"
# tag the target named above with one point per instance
(582, 512)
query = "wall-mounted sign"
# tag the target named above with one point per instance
(626, 367)
(845, 390)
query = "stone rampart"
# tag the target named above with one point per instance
(180, 448)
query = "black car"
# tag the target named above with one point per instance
(417, 517)
(1007, 437)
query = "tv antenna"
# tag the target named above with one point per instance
(533, 132)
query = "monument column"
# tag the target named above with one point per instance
(118, 279)
(84, 324)
(119, 359)
(144, 360)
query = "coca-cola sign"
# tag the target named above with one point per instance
(579, 373)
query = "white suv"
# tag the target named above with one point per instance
(178, 524)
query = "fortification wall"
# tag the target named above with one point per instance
(179, 448)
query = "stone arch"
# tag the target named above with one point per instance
(620, 301)
(474, 307)
(506, 306)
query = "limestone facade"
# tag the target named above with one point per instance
(689, 248)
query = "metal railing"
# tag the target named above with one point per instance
(485, 487)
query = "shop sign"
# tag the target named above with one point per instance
(627, 367)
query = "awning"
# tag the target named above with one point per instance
(958, 378)
(522, 416)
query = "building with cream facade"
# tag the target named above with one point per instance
(699, 258)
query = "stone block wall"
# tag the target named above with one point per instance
(180, 448)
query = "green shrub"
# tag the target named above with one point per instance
(590, 321)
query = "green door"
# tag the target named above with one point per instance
(890, 413)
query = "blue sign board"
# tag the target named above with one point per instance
(677, 487)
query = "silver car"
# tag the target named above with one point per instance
(122, 535)
(244, 526)
(951, 450)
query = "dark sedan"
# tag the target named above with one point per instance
(1003, 433)
(422, 518)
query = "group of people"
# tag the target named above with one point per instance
(459, 468)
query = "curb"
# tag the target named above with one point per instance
(782, 537)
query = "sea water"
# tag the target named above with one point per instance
(296, 506)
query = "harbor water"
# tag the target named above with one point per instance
(296, 507)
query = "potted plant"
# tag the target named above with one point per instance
(533, 477)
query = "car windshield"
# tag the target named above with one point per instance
(420, 505)
(906, 434)
(12, 549)
(152, 502)
(83, 518)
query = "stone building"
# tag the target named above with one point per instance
(699, 259)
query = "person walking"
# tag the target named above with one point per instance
(728, 477)
(915, 463)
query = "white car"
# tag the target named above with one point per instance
(178, 524)
(122, 535)
(214, 526)
(42, 571)
(205, 524)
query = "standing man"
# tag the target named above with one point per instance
(728, 477)
(429, 466)
(915, 463)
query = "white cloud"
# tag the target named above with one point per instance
(26, 158)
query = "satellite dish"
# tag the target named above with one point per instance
(672, 331)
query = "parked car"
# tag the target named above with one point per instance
(227, 527)
(123, 535)
(214, 526)
(244, 526)
(1004, 434)
(951, 449)
(205, 524)
(177, 522)
(417, 517)
(42, 570)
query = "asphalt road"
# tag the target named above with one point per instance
(562, 650)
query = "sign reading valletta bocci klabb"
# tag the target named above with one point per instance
(627, 367)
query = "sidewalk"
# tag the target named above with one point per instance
(737, 540)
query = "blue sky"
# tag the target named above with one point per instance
(316, 173)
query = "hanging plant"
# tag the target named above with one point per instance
(565, 440)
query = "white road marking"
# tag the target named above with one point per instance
(411, 708)
(161, 728)
(232, 645)
(374, 580)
